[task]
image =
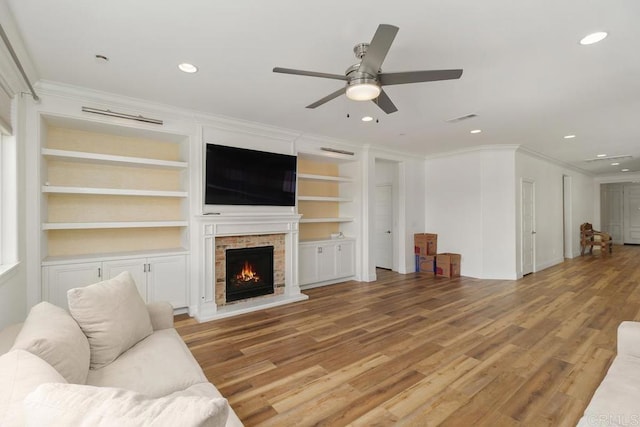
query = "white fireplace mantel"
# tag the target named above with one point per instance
(218, 225)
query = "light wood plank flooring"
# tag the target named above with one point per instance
(416, 350)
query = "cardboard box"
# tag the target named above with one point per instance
(448, 265)
(425, 244)
(425, 264)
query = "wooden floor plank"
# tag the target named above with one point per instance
(415, 350)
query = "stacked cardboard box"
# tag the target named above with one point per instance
(448, 265)
(425, 250)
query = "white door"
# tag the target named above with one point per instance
(632, 214)
(612, 212)
(58, 279)
(137, 268)
(383, 227)
(528, 226)
(167, 279)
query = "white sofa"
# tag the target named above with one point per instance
(112, 361)
(616, 401)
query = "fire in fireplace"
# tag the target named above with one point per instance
(249, 272)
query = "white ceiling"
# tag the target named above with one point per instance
(525, 74)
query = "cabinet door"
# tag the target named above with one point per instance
(134, 266)
(345, 259)
(308, 267)
(327, 261)
(58, 279)
(167, 280)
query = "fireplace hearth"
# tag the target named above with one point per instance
(249, 273)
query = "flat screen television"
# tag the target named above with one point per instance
(238, 176)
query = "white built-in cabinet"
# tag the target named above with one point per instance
(113, 199)
(157, 278)
(326, 261)
(326, 199)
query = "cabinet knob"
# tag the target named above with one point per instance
(319, 249)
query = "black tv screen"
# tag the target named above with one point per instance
(238, 176)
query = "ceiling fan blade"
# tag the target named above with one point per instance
(378, 48)
(309, 73)
(386, 79)
(384, 102)
(328, 98)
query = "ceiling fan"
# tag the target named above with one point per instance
(365, 79)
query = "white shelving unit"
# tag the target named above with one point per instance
(113, 198)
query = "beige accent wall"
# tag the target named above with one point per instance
(94, 208)
(76, 174)
(311, 209)
(75, 208)
(92, 142)
(85, 242)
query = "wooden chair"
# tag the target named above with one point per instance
(590, 237)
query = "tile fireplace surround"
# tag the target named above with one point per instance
(230, 231)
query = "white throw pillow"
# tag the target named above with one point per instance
(50, 333)
(80, 405)
(21, 373)
(112, 315)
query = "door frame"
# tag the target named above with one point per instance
(392, 228)
(524, 181)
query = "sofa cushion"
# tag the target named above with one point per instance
(157, 366)
(617, 398)
(209, 390)
(78, 405)
(112, 315)
(50, 333)
(21, 373)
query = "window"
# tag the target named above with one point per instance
(8, 201)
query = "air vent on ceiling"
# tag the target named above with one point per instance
(461, 118)
(597, 159)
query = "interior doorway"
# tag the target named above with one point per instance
(632, 214)
(385, 215)
(567, 223)
(527, 204)
(383, 226)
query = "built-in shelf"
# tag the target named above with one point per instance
(54, 260)
(116, 224)
(312, 177)
(97, 158)
(111, 191)
(324, 199)
(320, 220)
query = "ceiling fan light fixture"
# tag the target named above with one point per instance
(363, 90)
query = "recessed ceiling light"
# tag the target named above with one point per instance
(569, 136)
(476, 131)
(625, 170)
(187, 68)
(601, 155)
(615, 164)
(593, 38)
(367, 118)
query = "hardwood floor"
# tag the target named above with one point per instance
(416, 350)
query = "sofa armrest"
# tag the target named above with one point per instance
(161, 314)
(8, 336)
(629, 338)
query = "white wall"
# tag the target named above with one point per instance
(548, 178)
(470, 204)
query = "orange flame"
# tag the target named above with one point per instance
(248, 274)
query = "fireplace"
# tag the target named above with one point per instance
(249, 272)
